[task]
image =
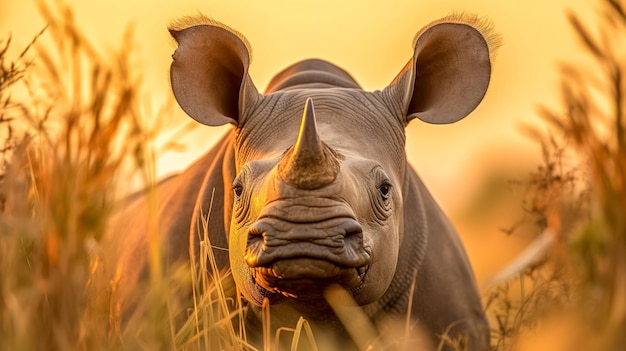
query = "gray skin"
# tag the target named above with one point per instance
(311, 188)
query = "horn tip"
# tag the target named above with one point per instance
(308, 106)
(308, 118)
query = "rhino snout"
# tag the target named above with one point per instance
(338, 241)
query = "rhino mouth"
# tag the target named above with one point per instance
(300, 260)
(307, 278)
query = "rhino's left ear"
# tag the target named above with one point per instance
(209, 73)
(449, 72)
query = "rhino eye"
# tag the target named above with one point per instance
(385, 190)
(237, 189)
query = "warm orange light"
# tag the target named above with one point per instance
(371, 40)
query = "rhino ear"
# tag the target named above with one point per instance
(209, 74)
(449, 72)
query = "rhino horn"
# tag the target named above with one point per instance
(309, 164)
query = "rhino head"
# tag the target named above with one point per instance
(310, 216)
(319, 195)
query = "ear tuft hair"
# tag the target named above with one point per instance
(199, 20)
(482, 24)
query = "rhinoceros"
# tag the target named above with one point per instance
(311, 188)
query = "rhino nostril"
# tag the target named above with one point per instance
(254, 246)
(255, 236)
(353, 229)
(254, 232)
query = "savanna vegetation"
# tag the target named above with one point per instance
(75, 127)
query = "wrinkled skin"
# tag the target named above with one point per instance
(312, 189)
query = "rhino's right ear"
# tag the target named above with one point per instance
(209, 74)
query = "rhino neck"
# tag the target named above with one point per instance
(311, 74)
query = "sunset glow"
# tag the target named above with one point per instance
(372, 41)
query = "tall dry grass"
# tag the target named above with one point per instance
(75, 136)
(570, 292)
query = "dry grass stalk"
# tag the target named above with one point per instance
(83, 126)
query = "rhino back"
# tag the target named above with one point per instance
(183, 201)
(311, 73)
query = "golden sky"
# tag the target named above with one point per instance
(370, 39)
